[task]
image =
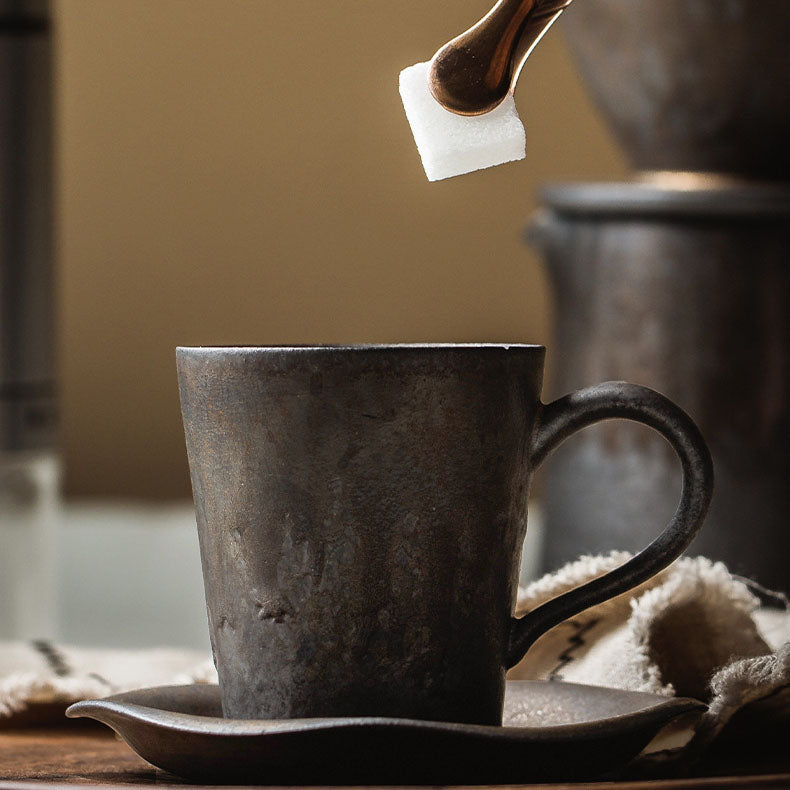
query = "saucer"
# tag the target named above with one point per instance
(551, 730)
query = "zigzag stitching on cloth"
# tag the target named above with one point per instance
(575, 641)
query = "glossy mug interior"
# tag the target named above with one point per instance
(361, 512)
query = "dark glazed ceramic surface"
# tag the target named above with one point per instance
(690, 84)
(686, 291)
(567, 732)
(361, 513)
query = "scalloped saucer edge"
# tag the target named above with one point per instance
(551, 731)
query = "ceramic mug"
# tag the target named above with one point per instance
(361, 512)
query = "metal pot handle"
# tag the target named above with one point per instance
(612, 400)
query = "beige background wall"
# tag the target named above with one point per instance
(240, 171)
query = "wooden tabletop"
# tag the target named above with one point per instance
(91, 756)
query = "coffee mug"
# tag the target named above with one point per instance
(361, 512)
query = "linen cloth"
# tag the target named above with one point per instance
(41, 672)
(693, 630)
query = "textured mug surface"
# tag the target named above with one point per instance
(361, 512)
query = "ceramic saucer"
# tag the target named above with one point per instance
(551, 730)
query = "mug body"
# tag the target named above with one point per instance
(360, 513)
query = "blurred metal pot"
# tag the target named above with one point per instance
(690, 84)
(687, 291)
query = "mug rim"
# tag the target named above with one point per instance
(366, 347)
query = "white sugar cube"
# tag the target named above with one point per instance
(451, 144)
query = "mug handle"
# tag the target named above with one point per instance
(618, 399)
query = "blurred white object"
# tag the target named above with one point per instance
(29, 486)
(129, 576)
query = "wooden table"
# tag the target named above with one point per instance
(90, 756)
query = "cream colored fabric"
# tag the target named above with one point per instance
(43, 672)
(693, 630)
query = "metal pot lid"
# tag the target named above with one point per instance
(661, 195)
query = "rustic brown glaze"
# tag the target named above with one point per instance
(361, 512)
(687, 291)
(577, 732)
(698, 85)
